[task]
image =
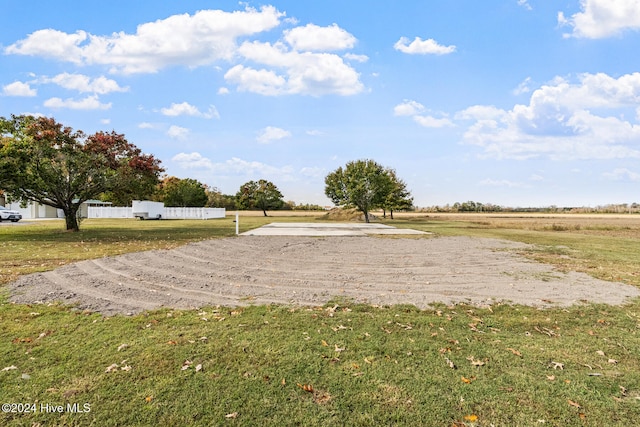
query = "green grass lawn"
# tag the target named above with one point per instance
(341, 364)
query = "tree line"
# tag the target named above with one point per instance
(46, 162)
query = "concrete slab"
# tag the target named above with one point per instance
(327, 229)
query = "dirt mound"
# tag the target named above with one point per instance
(311, 271)
(353, 214)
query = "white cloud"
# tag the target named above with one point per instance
(263, 82)
(234, 167)
(105, 121)
(271, 133)
(51, 44)
(563, 120)
(88, 103)
(186, 109)
(603, 18)
(19, 89)
(433, 122)
(223, 91)
(314, 132)
(146, 125)
(85, 84)
(414, 110)
(314, 38)
(302, 63)
(525, 4)
(419, 46)
(356, 58)
(622, 174)
(192, 161)
(178, 132)
(480, 112)
(190, 40)
(523, 87)
(408, 108)
(306, 73)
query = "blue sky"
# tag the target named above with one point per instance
(512, 102)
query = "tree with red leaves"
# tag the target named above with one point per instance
(43, 161)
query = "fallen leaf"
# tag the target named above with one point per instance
(172, 342)
(126, 368)
(475, 362)
(557, 365)
(450, 363)
(148, 398)
(122, 346)
(613, 361)
(574, 404)
(600, 352)
(44, 334)
(471, 418)
(9, 368)
(467, 380)
(306, 387)
(111, 368)
(231, 415)
(198, 367)
(283, 382)
(321, 398)
(515, 352)
(338, 349)
(324, 343)
(551, 377)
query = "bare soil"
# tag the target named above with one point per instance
(311, 271)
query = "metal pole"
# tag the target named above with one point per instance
(237, 223)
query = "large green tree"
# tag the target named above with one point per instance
(399, 197)
(185, 192)
(263, 195)
(43, 161)
(363, 184)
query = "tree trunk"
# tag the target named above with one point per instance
(264, 211)
(384, 213)
(391, 211)
(366, 216)
(71, 219)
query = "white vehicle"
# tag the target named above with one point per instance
(13, 216)
(145, 209)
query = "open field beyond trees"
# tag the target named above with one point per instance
(341, 363)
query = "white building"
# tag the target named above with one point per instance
(34, 210)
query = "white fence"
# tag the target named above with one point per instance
(110, 212)
(193, 213)
(169, 212)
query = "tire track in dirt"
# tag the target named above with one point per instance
(311, 270)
